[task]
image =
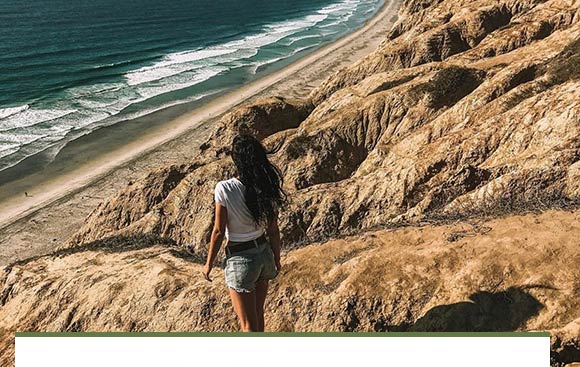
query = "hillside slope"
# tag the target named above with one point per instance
(468, 107)
(513, 273)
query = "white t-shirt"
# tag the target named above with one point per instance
(240, 226)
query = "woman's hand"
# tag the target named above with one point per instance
(206, 271)
(274, 238)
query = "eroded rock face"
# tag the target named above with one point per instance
(437, 30)
(261, 119)
(513, 273)
(468, 107)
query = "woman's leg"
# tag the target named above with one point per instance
(245, 307)
(261, 292)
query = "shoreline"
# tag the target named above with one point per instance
(172, 140)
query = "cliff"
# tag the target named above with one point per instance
(467, 110)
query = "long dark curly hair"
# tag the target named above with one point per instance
(262, 180)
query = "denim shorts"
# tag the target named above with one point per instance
(245, 268)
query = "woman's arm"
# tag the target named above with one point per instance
(274, 237)
(217, 236)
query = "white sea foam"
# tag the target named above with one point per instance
(182, 62)
(333, 24)
(6, 112)
(338, 7)
(174, 64)
(293, 40)
(300, 49)
(180, 81)
(111, 104)
(10, 141)
(293, 25)
(237, 59)
(100, 96)
(94, 90)
(30, 117)
(260, 64)
(49, 147)
(83, 119)
(171, 104)
(8, 148)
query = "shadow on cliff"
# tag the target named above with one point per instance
(486, 311)
(117, 244)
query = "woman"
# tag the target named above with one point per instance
(246, 208)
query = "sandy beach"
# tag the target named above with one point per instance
(39, 211)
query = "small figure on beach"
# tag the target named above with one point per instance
(246, 214)
(26, 194)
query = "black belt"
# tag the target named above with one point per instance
(234, 247)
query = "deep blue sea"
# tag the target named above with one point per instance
(70, 67)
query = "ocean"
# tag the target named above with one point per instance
(68, 68)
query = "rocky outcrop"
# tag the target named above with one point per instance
(261, 119)
(468, 108)
(437, 30)
(513, 273)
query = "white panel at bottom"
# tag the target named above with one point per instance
(320, 351)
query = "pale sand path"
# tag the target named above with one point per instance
(57, 206)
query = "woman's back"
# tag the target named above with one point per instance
(240, 225)
(246, 212)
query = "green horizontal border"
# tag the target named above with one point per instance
(289, 334)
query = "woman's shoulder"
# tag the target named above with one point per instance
(228, 184)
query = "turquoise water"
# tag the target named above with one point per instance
(70, 67)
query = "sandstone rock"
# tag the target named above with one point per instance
(261, 119)
(514, 273)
